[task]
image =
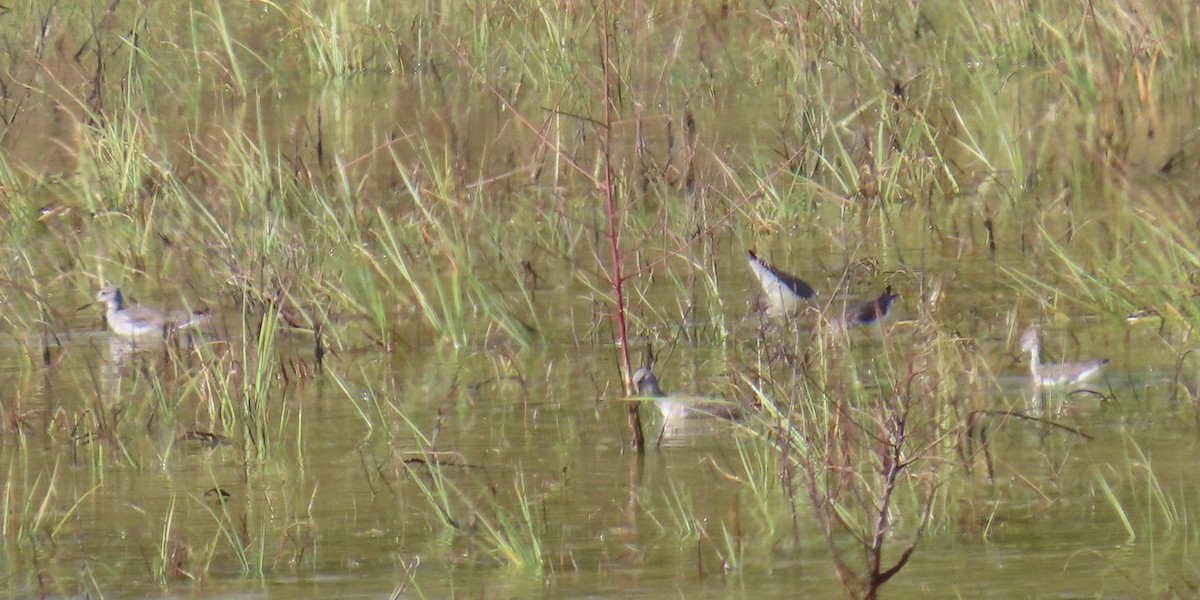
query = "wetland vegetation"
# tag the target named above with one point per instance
(434, 240)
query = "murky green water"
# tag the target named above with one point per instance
(335, 507)
(410, 462)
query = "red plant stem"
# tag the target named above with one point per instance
(615, 279)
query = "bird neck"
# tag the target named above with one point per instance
(1034, 361)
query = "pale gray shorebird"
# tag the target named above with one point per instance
(866, 312)
(1055, 373)
(782, 290)
(137, 321)
(675, 407)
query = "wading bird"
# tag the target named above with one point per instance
(782, 290)
(1055, 373)
(675, 407)
(136, 321)
(866, 312)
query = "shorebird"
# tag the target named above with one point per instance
(1055, 374)
(136, 321)
(782, 290)
(674, 407)
(866, 312)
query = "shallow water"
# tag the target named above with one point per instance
(335, 507)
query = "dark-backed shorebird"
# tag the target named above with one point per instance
(782, 290)
(1055, 373)
(136, 321)
(866, 312)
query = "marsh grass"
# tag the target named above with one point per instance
(247, 547)
(341, 41)
(507, 529)
(679, 520)
(258, 384)
(1151, 508)
(37, 515)
(165, 566)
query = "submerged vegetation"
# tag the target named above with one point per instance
(437, 237)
